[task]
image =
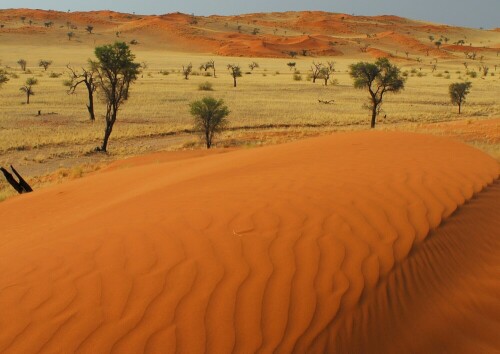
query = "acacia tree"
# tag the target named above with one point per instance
(89, 29)
(379, 78)
(70, 35)
(458, 92)
(115, 71)
(235, 71)
(87, 78)
(326, 71)
(210, 117)
(291, 65)
(253, 65)
(27, 88)
(45, 64)
(22, 63)
(208, 65)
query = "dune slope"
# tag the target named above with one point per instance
(289, 248)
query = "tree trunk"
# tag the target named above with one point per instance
(107, 133)
(459, 108)
(374, 116)
(214, 73)
(207, 139)
(109, 128)
(234, 78)
(27, 98)
(90, 106)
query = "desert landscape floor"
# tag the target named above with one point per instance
(380, 240)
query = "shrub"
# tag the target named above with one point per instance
(210, 117)
(297, 77)
(205, 86)
(55, 75)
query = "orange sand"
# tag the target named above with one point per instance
(318, 33)
(316, 246)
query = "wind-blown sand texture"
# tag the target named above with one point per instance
(350, 243)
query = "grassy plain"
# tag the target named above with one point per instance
(268, 105)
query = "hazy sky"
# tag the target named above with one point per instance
(478, 13)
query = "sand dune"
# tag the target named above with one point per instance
(278, 34)
(332, 244)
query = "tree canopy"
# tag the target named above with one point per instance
(379, 78)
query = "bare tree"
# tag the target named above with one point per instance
(87, 78)
(316, 71)
(44, 64)
(326, 71)
(144, 66)
(235, 72)
(89, 29)
(208, 65)
(22, 63)
(3, 77)
(27, 88)
(186, 70)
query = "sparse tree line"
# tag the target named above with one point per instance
(113, 71)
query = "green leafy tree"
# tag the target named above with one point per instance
(379, 78)
(116, 70)
(210, 118)
(458, 92)
(235, 72)
(27, 88)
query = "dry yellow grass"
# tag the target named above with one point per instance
(159, 103)
(267, 98)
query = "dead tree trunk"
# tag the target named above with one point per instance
(20, 186)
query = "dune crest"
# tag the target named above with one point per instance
(277, 249)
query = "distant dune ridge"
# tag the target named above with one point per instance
(334, 244)
(306, 33)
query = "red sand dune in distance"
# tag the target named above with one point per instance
(379, 240)
(251, 35)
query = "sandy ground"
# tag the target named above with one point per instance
(379, 240)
